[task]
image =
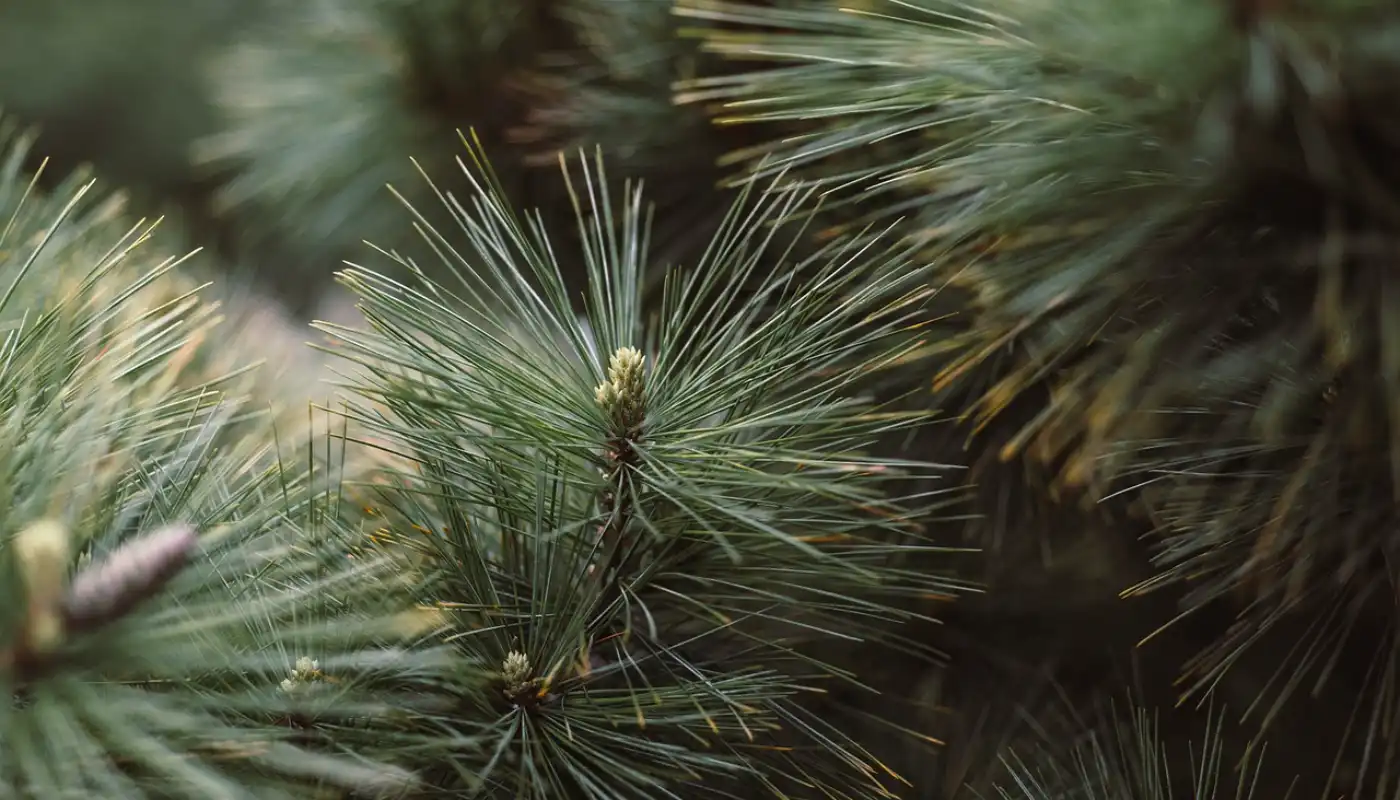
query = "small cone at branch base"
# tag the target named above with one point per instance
(109, 590)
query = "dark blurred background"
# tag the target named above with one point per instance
(265, 131)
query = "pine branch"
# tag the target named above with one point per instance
(161, 575)
(1178, 234)
(644, 516)
(1126, 758)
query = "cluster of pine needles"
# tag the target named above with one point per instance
(1170, 227)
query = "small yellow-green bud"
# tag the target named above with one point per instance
(516, 669)
(43, 551)
(306, 671)
(626, 370)
(606, 395)
(623, 395)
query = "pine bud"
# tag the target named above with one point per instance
(136, 570)
(307, 671)
(515, 670)
(625, 370)
(606, 395)
(623, 395)
(43, 551)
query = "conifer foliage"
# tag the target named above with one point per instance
(1173, 223)
(323, 103)
(647, 556)
(1121, 755)
(628, 498)
(161, 578)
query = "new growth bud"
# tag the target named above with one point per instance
(306, 672)
(515, 670)
(623, 395)
(43, 551)
(518, 683)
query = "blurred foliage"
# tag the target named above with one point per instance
(612, 89)
(127, 92)
(163, 571)
(1175, 270)
(329, 102)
